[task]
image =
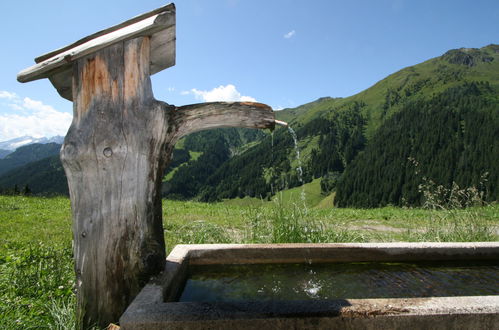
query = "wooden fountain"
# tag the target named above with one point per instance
(116, 150)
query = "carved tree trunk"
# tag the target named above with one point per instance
(114, 156)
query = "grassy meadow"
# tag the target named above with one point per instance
(36, 274)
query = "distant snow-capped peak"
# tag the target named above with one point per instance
(15, 143)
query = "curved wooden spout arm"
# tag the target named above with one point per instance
(197, 117)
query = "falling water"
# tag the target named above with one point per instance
(299, 169)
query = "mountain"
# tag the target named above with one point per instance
(423, 80)
(28, 153)
(442, 113)
(442, 145)
(434, 123)
(15, 143)
(4, 153)
(207, 151)
(45, 176)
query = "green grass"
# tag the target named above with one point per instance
(26, 220)
(290, 197)
(36, 267)
(242, 220)
(312, 195)
(194, 155)
(36, 270)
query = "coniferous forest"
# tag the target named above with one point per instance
(451, 138)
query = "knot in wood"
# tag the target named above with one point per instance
(108, 152)
(84, 234)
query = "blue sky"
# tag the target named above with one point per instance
(283, 53)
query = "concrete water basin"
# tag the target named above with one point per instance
(158, 306)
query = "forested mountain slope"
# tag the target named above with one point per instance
(420, 81)
(442, 115)
(26, 154)
(45, 176)
(450, 138)
(448, 104)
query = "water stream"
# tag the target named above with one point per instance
(299, 169)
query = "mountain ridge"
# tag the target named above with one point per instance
(15, 143)
(418, 80)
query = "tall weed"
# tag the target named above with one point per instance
(63, 314)
(455, 213)
(285, 223)
(196, 232)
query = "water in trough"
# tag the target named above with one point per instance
(340, 281)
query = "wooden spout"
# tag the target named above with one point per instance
(202, 116)
(281, 123)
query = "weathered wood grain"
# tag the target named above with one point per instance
(116, 150)
(114, 155)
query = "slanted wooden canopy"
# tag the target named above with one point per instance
(158, 24)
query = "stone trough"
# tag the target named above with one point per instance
(157, 305)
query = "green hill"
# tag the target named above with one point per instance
(26, 154)
(415, 82)
(30, 166)
(449, 140)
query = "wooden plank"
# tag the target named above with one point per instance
(162, 56)
(168, 8)
(146, 27)
(162, 50)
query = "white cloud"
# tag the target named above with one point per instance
(227, 93)
(33, 118)
(290, 34)
(15, 106)
(34, 105)
(7, 95)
